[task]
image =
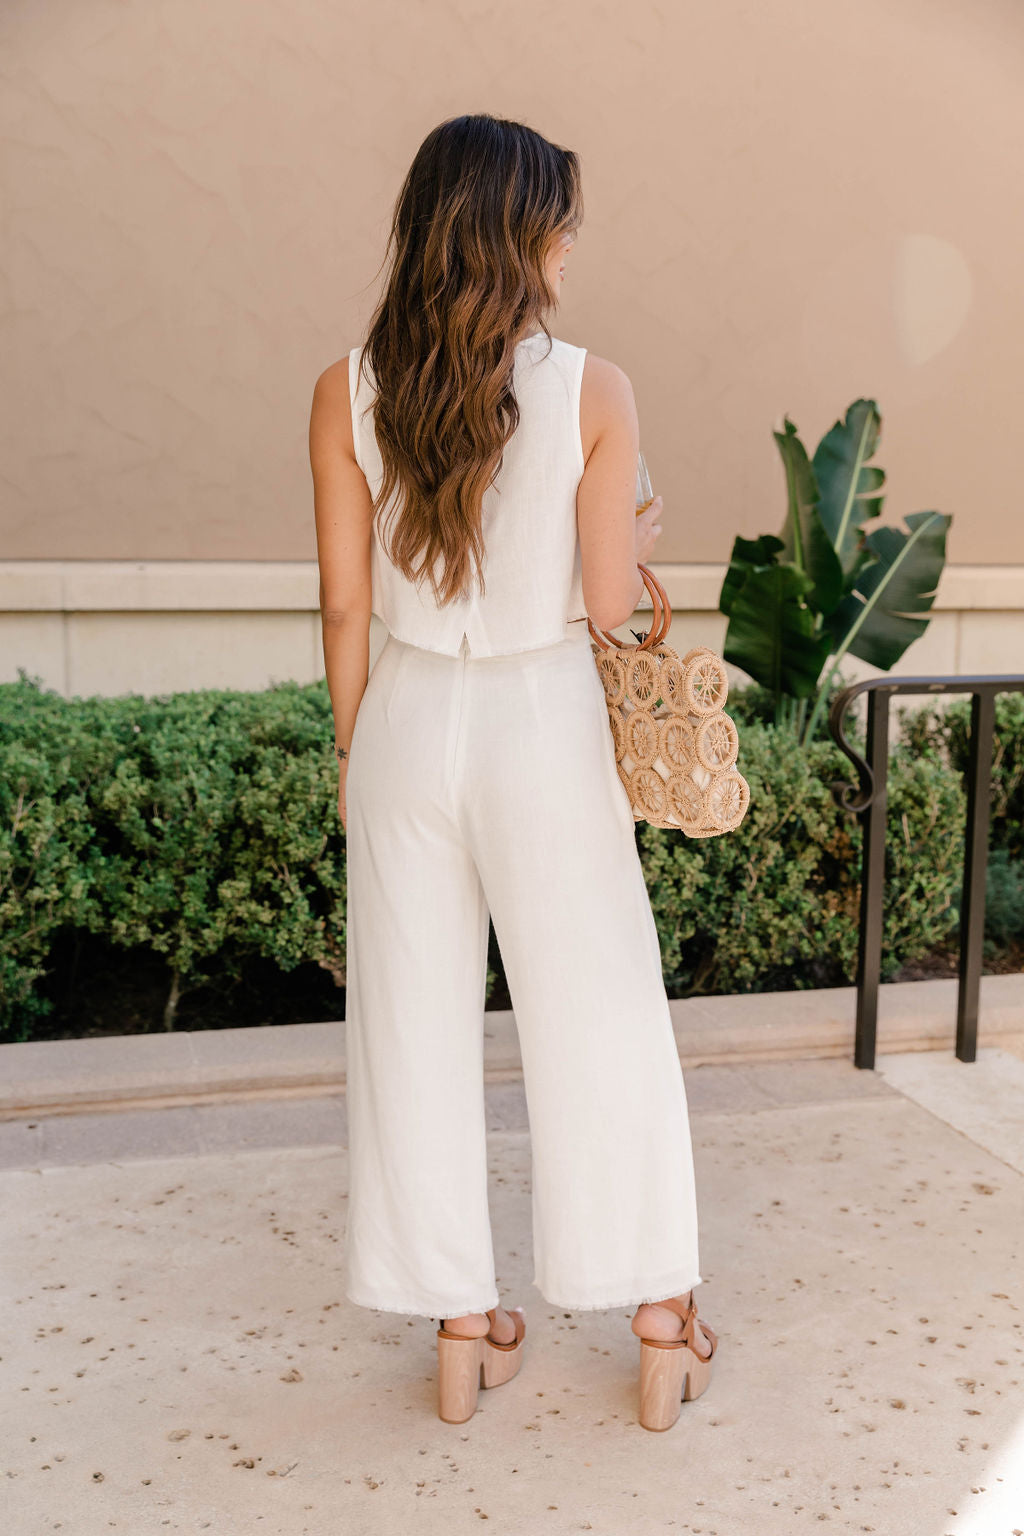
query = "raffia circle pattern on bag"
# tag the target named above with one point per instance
(675, 747)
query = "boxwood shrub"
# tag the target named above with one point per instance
(201, 827)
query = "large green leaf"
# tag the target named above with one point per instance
(745, 554)
(771, 631)
(849, 487)
(805, 540)
(877, 621)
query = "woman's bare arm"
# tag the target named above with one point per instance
(343, 510)
(612, 538)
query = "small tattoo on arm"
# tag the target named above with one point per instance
(340, 752)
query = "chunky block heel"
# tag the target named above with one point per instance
(465, 1365)
(672, 1372)
(663, 1379)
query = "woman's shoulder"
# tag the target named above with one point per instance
(603, 377)
(605, 382)
(606, 400)
(335, 378)
(333, 397)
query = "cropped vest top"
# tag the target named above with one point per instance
(531, 558)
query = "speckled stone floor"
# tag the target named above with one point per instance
(178, 1354)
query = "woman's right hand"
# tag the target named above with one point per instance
(648, 527)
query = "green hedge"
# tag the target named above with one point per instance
(944, 736)
(202, 826)
(774, 904)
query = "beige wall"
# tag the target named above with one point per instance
(788, 205)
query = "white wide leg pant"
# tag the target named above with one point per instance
(484, 786)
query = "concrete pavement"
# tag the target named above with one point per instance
(178, 1354)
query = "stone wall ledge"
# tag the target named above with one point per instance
(204, 1066)
(218, 586)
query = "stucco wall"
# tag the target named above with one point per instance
(788, 206)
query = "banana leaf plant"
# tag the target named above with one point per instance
(800, 601)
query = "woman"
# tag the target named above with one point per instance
(474, 482)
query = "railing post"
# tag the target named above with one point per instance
(972, 904)
(869, 803)
(872, 884)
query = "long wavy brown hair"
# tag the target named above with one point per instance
(472, 229)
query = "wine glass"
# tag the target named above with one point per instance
(644, 497)
(644, 493)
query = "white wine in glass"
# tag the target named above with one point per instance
(644, 493)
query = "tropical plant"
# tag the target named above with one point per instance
(824, 587)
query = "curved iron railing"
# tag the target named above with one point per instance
(869, 802)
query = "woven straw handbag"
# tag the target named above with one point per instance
(675, 747)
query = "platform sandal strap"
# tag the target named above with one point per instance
(520, 1327)
(690, 1337)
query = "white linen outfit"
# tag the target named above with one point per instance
(482, 783)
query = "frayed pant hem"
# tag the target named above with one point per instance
(626, 1299)
(412, 1308)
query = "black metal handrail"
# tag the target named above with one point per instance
(870, 805)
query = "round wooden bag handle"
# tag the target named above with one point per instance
(660, 621)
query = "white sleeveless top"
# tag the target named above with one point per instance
(531, 547)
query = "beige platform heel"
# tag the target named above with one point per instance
(464, 1365)
(672, 1371)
